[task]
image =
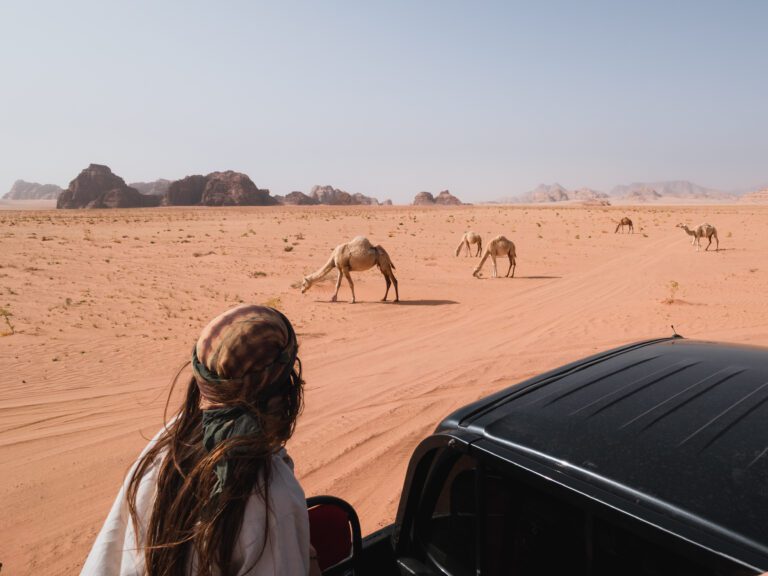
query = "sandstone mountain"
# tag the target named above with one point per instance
(97, 187)
(156, 188)
(335, 197)
(444, 198)
(185, 192)
(22, 190)
(678, 189)
(297, 198)
(556, 193)
(758, 197)
(227, 188)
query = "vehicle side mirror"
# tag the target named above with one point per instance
(334, 531)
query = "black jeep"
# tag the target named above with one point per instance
(648, 459)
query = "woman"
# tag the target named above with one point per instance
(214, 492)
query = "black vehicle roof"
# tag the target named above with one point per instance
(673, 421)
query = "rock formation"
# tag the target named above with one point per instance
(424, 199)
(335, 197)
(681, 189)
(445, 198)
(217, 189)
(22, 190)
(758, 197)
(98, 187)
(157, 188)
(297, 198)
(233, 189)
(185, 192)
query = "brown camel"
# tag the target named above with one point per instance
(356, 255)
(706, 230)
(499, 246)
(625, 222)
(470, 238)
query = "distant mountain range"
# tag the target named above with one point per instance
(22, 190)
(636, 192)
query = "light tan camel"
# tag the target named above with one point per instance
(470, 238)
(625, 222)
(357, 255)
(706, 230)
(499, 246)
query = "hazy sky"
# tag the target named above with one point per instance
(487, 99)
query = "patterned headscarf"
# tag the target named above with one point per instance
(242, 350)
(243, 357)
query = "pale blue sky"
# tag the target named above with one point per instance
(487, 99)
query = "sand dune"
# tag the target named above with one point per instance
(105, 306)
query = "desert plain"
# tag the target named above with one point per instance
(99, 310)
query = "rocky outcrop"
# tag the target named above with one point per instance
(445, 198)
(679, 189)
(424, 199)
(335, 197)
(331, 196)
(98, 187)
(22, 190)
(645, 194)
(125, 198)
(556, 193)
(217, 189)
(387, 202)
(758, 197)
(233, 189)
(298, 199)
(185, 192)
(157, 188)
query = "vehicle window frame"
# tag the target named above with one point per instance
(594, 507)
(444, 458)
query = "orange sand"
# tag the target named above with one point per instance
(106, 305)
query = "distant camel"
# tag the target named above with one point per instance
(470, 238)
(356, 255)
(499, 246)
(625, 222)
(706, 230)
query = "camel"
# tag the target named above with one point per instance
(702, 230)
(470, 238)
(357, 255)
(499, 246)
(625, 222)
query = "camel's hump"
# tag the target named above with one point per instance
(360, 240)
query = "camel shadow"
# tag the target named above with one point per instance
(518, 277)
(393, 303)
(538, 277)
(425, 302)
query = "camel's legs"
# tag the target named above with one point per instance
(479, 249)
(717, 249)
(467, 248)
(397, 294)
(338, 285)
(351, 285)
(511, 264)
(493, 259)
(387, 291)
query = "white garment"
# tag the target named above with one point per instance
(286, 553)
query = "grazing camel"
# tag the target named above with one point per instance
(706, 230)
(356, 255)
(499, 246)
(470, 238)
(625, 222)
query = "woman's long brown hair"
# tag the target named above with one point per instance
(185, 523)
